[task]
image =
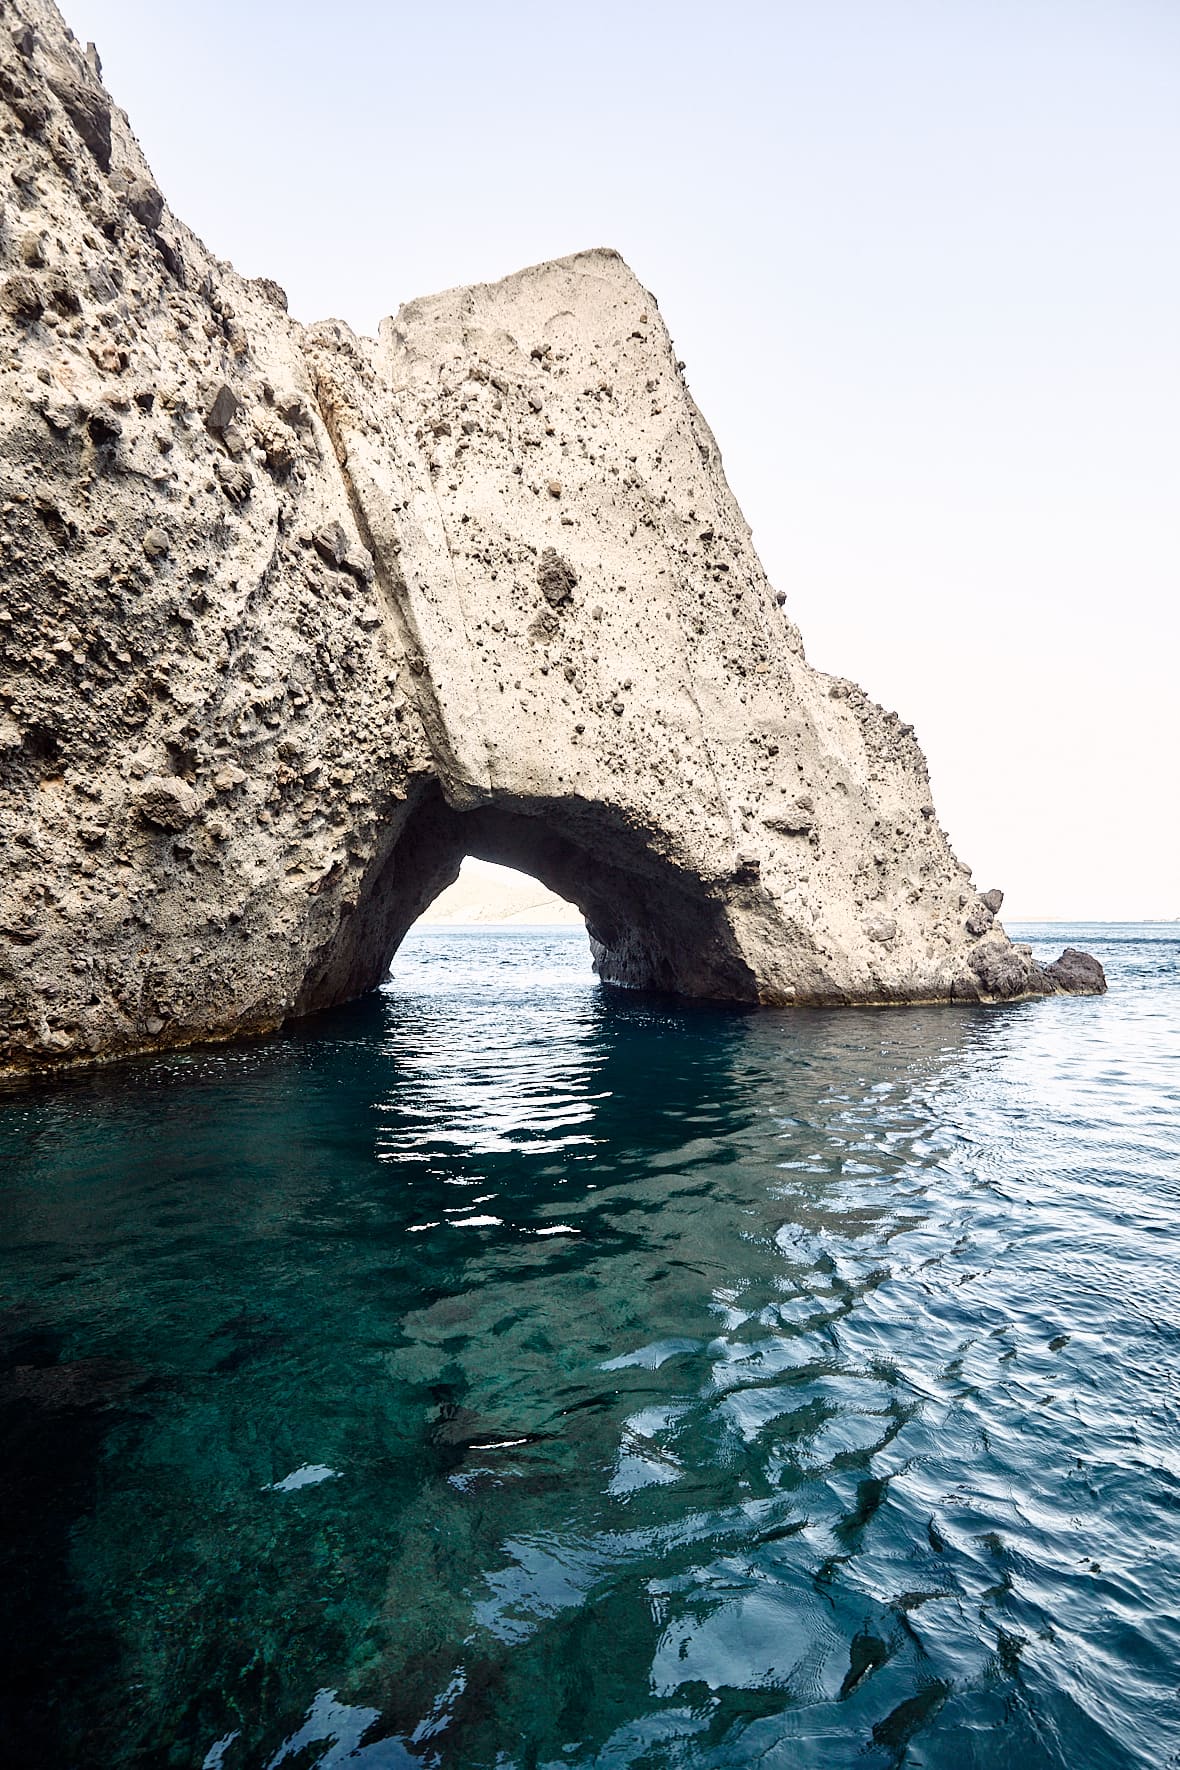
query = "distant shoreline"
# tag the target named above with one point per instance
(483, 924)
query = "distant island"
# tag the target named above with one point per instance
(488, 894)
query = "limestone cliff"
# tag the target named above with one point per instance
(292, 620)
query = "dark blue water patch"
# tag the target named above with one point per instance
(509, 1372)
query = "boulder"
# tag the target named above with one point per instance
(1077, 974)
(1003, 972)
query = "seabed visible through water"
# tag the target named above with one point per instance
(510, 1373)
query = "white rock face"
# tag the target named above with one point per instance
(291, 621)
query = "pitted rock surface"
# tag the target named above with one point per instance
(293, 620)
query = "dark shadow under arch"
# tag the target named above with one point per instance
(652, 924)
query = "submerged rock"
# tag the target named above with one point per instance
(476, 586)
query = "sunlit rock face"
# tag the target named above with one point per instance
(293, 620)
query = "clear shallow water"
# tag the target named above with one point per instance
(513, 1374)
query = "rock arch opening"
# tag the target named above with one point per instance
(489, 896)
(651, 923)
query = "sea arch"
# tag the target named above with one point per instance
(653, 923)
(296, 618)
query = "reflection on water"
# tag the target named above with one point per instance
(510, 1373)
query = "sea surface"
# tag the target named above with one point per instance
(508, 1373)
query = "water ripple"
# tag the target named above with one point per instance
(508, 1373)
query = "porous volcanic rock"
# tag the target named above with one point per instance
(292, 620)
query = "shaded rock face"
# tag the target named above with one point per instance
(292, 620)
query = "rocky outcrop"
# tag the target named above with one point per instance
(292, 620)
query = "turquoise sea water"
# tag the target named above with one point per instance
(509, 1373)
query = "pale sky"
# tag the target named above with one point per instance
(922, 258)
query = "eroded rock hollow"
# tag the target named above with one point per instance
(292, 620)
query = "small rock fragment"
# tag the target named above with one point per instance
(236, 481)
(109, 357)
(62, 292)
(331, 543)
(796, 819)
(21, 297)
(167, 802)
(145, 202)
(556, 577)
(223, 411)
(277, 443)
(358, 562)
